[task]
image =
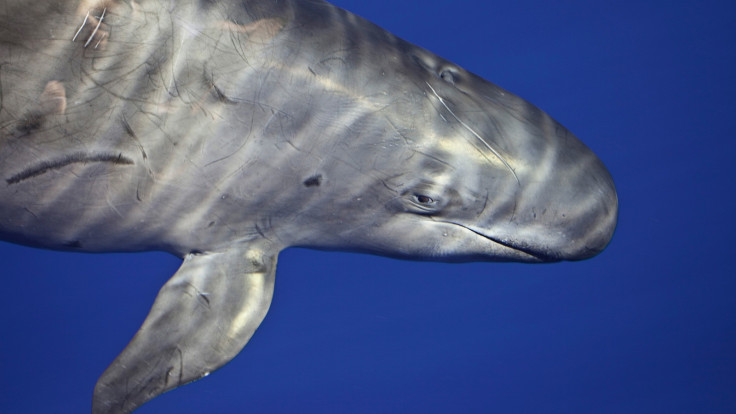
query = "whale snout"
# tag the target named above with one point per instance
(583, 198)
(566, 207)
(594, 213)
(583, 216)
(549, 197)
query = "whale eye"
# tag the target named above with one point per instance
(424, 204)
(423, 199)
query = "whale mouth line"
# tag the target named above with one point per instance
(538, 254)
(60, 162)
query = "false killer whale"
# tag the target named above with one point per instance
(225, 131)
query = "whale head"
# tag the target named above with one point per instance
(448, 166)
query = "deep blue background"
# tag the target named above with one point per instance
(649, 326)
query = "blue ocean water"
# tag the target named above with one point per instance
(649, 326)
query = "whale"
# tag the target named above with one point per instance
(224, 132)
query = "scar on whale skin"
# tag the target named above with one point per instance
(57, 163)
(53, 98)
(261, 31)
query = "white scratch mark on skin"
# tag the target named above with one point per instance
(104, 35)
(81, 27)
(94, 32)
(487, 145)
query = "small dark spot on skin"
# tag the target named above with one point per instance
(255, 266)
(220, 96)
(128, 128)
(212, 223)
(76, 244)
(313, 181)
(217, 92)
(205, 298)
(30, 122)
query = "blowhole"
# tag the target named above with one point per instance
(448, 75)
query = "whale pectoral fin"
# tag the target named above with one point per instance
(202, 317)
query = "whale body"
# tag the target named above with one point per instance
(226, 131)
